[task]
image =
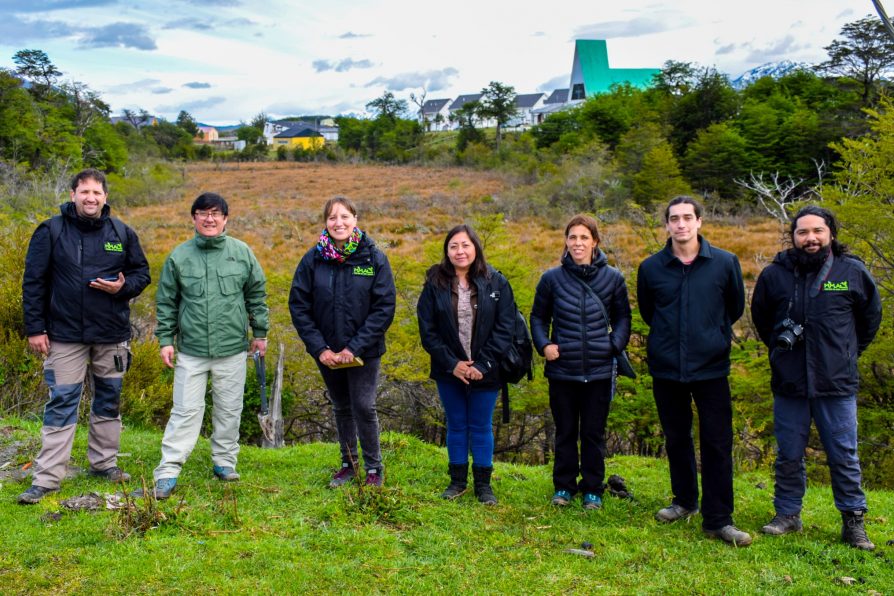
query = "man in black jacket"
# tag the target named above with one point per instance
(817, 308)
(81, 270)
(690, 294)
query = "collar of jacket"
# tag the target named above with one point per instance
(704, 251)
(212, 243)
(86, 224)
(585, 271)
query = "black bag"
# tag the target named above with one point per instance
(518, 361)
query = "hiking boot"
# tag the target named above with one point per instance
(162, 490)
(373, 478)
(343, 476)
(459, 480)
(731, 535)
(561, 498)
(226, 473)
(853, 533)
(113, 474)
(481, 477)
(592, 501)
(34, 494)
(783, 524)
(673, 512)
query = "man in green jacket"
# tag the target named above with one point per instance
(212, 289)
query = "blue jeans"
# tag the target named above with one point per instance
(836, 422)
(469, 413)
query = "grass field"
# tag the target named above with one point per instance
(280, 530)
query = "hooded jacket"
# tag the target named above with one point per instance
(56, 296)
(344, 305)
(690, 310)
(494, 320)
(839, 321)
(211, 290)
(564, 313)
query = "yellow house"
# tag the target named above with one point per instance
(297, 136)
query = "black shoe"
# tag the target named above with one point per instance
(113, 474)
(34, 494)
(459, 481)
(853, 532)
(783, 524)
(483, 491)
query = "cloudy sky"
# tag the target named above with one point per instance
(227, 60)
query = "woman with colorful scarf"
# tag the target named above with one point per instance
(342, 302)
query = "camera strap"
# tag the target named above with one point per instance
(821, 276)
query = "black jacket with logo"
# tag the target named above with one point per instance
(494, 321)
(343, 305)
(840, 321)
(56, 296)
(564, 313)
(690, 310)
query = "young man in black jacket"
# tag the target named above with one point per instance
(817, 308)
(81, 271)
(690, 294)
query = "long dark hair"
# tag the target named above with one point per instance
(838, 248)
(443, 273)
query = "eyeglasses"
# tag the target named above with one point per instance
(201, 214)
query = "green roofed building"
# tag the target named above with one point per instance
(591, 74)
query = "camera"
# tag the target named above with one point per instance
(791, 334)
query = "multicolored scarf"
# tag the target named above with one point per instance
(330, 252)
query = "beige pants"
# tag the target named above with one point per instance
(65, 370)
(182, 432)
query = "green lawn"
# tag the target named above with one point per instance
(280, 530)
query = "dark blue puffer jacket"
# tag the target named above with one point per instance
(565, 314)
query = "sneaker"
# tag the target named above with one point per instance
(113, 474)
(673, 512)
(731, 535)
(592, 501)
(34, 494)
(783, 524)
(343, 476)
(373, 478)
(163, 489)
(853, 532)
(226, 473)
(561, 498)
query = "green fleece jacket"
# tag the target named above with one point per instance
(210, 291)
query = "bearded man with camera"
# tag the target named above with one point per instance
(817, 308)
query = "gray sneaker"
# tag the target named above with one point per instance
(225, 473)
(783, 524)
(731, 535)
(673, 512)
(162, 489)
(113, 474)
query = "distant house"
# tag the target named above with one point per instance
(556, 102)
(207, 134)
(458, 103)
(271, 129)
(591, 74)
(435, 113)
(298, 136)
(324, 126)
(525, 104)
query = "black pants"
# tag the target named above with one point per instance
(715, 414)
(580, 411)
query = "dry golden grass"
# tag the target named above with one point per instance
(276, 209)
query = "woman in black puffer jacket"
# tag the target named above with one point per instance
(570, 330)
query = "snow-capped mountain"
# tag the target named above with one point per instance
(770, 69)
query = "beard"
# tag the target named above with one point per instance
(806, 261)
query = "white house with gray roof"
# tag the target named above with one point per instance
(435, 114)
